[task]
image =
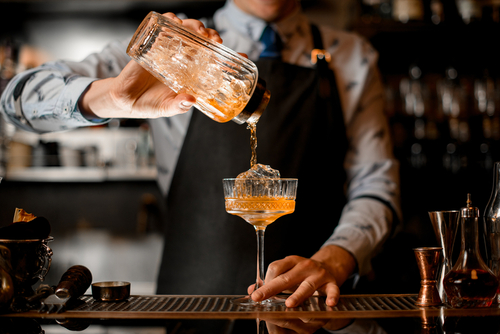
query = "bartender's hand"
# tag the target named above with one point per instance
(322, 274)
(135, 93)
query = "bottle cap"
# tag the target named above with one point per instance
(256, 106)
(469, 211)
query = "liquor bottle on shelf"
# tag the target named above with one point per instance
(8, 68)
(469, 10)
(425, 137)
(485, 122)
(374, 11)
(8, 62)
(408, 10)
(437, 11)
(470, 283)
(453, 104)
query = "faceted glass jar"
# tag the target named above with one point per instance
(222, 81)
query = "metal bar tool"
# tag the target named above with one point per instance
(74, 282)
(428, 261)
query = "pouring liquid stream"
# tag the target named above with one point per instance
(253, 143)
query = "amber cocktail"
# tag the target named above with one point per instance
(260, 202)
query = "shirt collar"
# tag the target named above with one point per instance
(253, 26)
(243, 22)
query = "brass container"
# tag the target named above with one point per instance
(22, 264)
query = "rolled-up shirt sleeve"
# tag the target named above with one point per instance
(45, 99)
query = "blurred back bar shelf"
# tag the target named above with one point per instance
(83, 155)
(79, 174)
(440, 63)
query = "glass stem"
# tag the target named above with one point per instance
(260, 257)
(261, 326)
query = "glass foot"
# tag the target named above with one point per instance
(270, 302)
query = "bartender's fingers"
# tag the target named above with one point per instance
(279, 277)
(306, 275)
(278, 267)
(196, 26)
(155, 105)
(214, 35)
(172, 17)
(199, 27)
(179, 105)
(307, 289)
(143, 96)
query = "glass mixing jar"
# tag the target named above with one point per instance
(226, 85)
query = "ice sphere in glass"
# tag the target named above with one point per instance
(259, 179)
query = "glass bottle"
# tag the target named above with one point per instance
(492, 224)
(406, 10)
(226, 85)
(470, 283)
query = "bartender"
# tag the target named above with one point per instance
(324, 125)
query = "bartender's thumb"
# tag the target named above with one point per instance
(182, 103)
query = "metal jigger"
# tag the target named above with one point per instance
(428, 261)
(445, 224)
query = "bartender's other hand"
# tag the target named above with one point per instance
(322, 274)
(303, 276)
(135, 93)
(196, 26)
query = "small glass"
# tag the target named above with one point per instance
(445, 224)
(226, 85)
(260, 202)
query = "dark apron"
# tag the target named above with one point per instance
(302, 134)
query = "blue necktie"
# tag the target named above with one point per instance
(272, 44)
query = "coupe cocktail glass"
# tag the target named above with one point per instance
(260, 202)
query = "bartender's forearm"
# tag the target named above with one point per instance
(339, 262)
(43, 99)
